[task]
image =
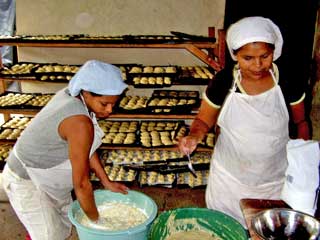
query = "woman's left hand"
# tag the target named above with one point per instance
(116, 187)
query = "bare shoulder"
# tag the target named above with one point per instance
(76, 125)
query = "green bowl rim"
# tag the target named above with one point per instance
(245, 232)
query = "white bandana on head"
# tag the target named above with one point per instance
(254, 29)
(99, 78)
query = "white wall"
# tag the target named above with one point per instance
(114, 17)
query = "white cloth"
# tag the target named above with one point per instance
(97, 77)
(254, 29)
(302, 175)
(48, 195)
(249, 159)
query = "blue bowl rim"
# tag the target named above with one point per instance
(138, 228)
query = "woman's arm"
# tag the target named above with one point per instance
(96, 166)
(298, 117)
(204, 121)
(78, 131)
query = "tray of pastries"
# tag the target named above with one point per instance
(152, 178)
(17, 123)
(176, 94)
(110, 126)
(18, 70)
(208, 141)
(151, 38)
(186, 179)
(4, 153)
(132, 104)
(119, 139)
(152, 76)
(10, 134)
(136, 158)
(195, 75)
(38, 100)
(55, 72)
(14, 100)
(172, 105)
(118, 173)
(161, 133)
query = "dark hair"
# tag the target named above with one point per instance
(235, 51)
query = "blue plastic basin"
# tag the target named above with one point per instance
(138, 199)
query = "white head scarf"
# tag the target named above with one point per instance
(254, 29)
(97, 77)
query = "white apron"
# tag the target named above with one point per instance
(249, 159)
(56, 181)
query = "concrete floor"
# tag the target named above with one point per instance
(12, 229)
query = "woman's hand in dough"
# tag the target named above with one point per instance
(117, 187)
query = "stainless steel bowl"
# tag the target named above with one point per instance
(283, 223)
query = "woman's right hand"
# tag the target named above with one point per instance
(188, 144)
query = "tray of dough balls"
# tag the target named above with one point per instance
(15, 100)
(39, 100)
(208, 141)
(152, 178)
(118, 174)
(152, 76)
(12, 129)
(119, 133)
(172, 105)
(132, 104)
(186, 179)
(200, 161)
(9, 100)
(19, 70)
(161, 133)
(176, 94)
(138, 158)
(54, 72)
(152, 39)
(194, 75)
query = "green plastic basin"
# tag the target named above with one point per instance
(184, 219)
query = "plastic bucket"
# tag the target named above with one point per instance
(184, 219)
(139, 232)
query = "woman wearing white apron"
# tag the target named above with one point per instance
(249, 159)
(56, 151)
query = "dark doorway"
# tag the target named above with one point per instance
(296, 20)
